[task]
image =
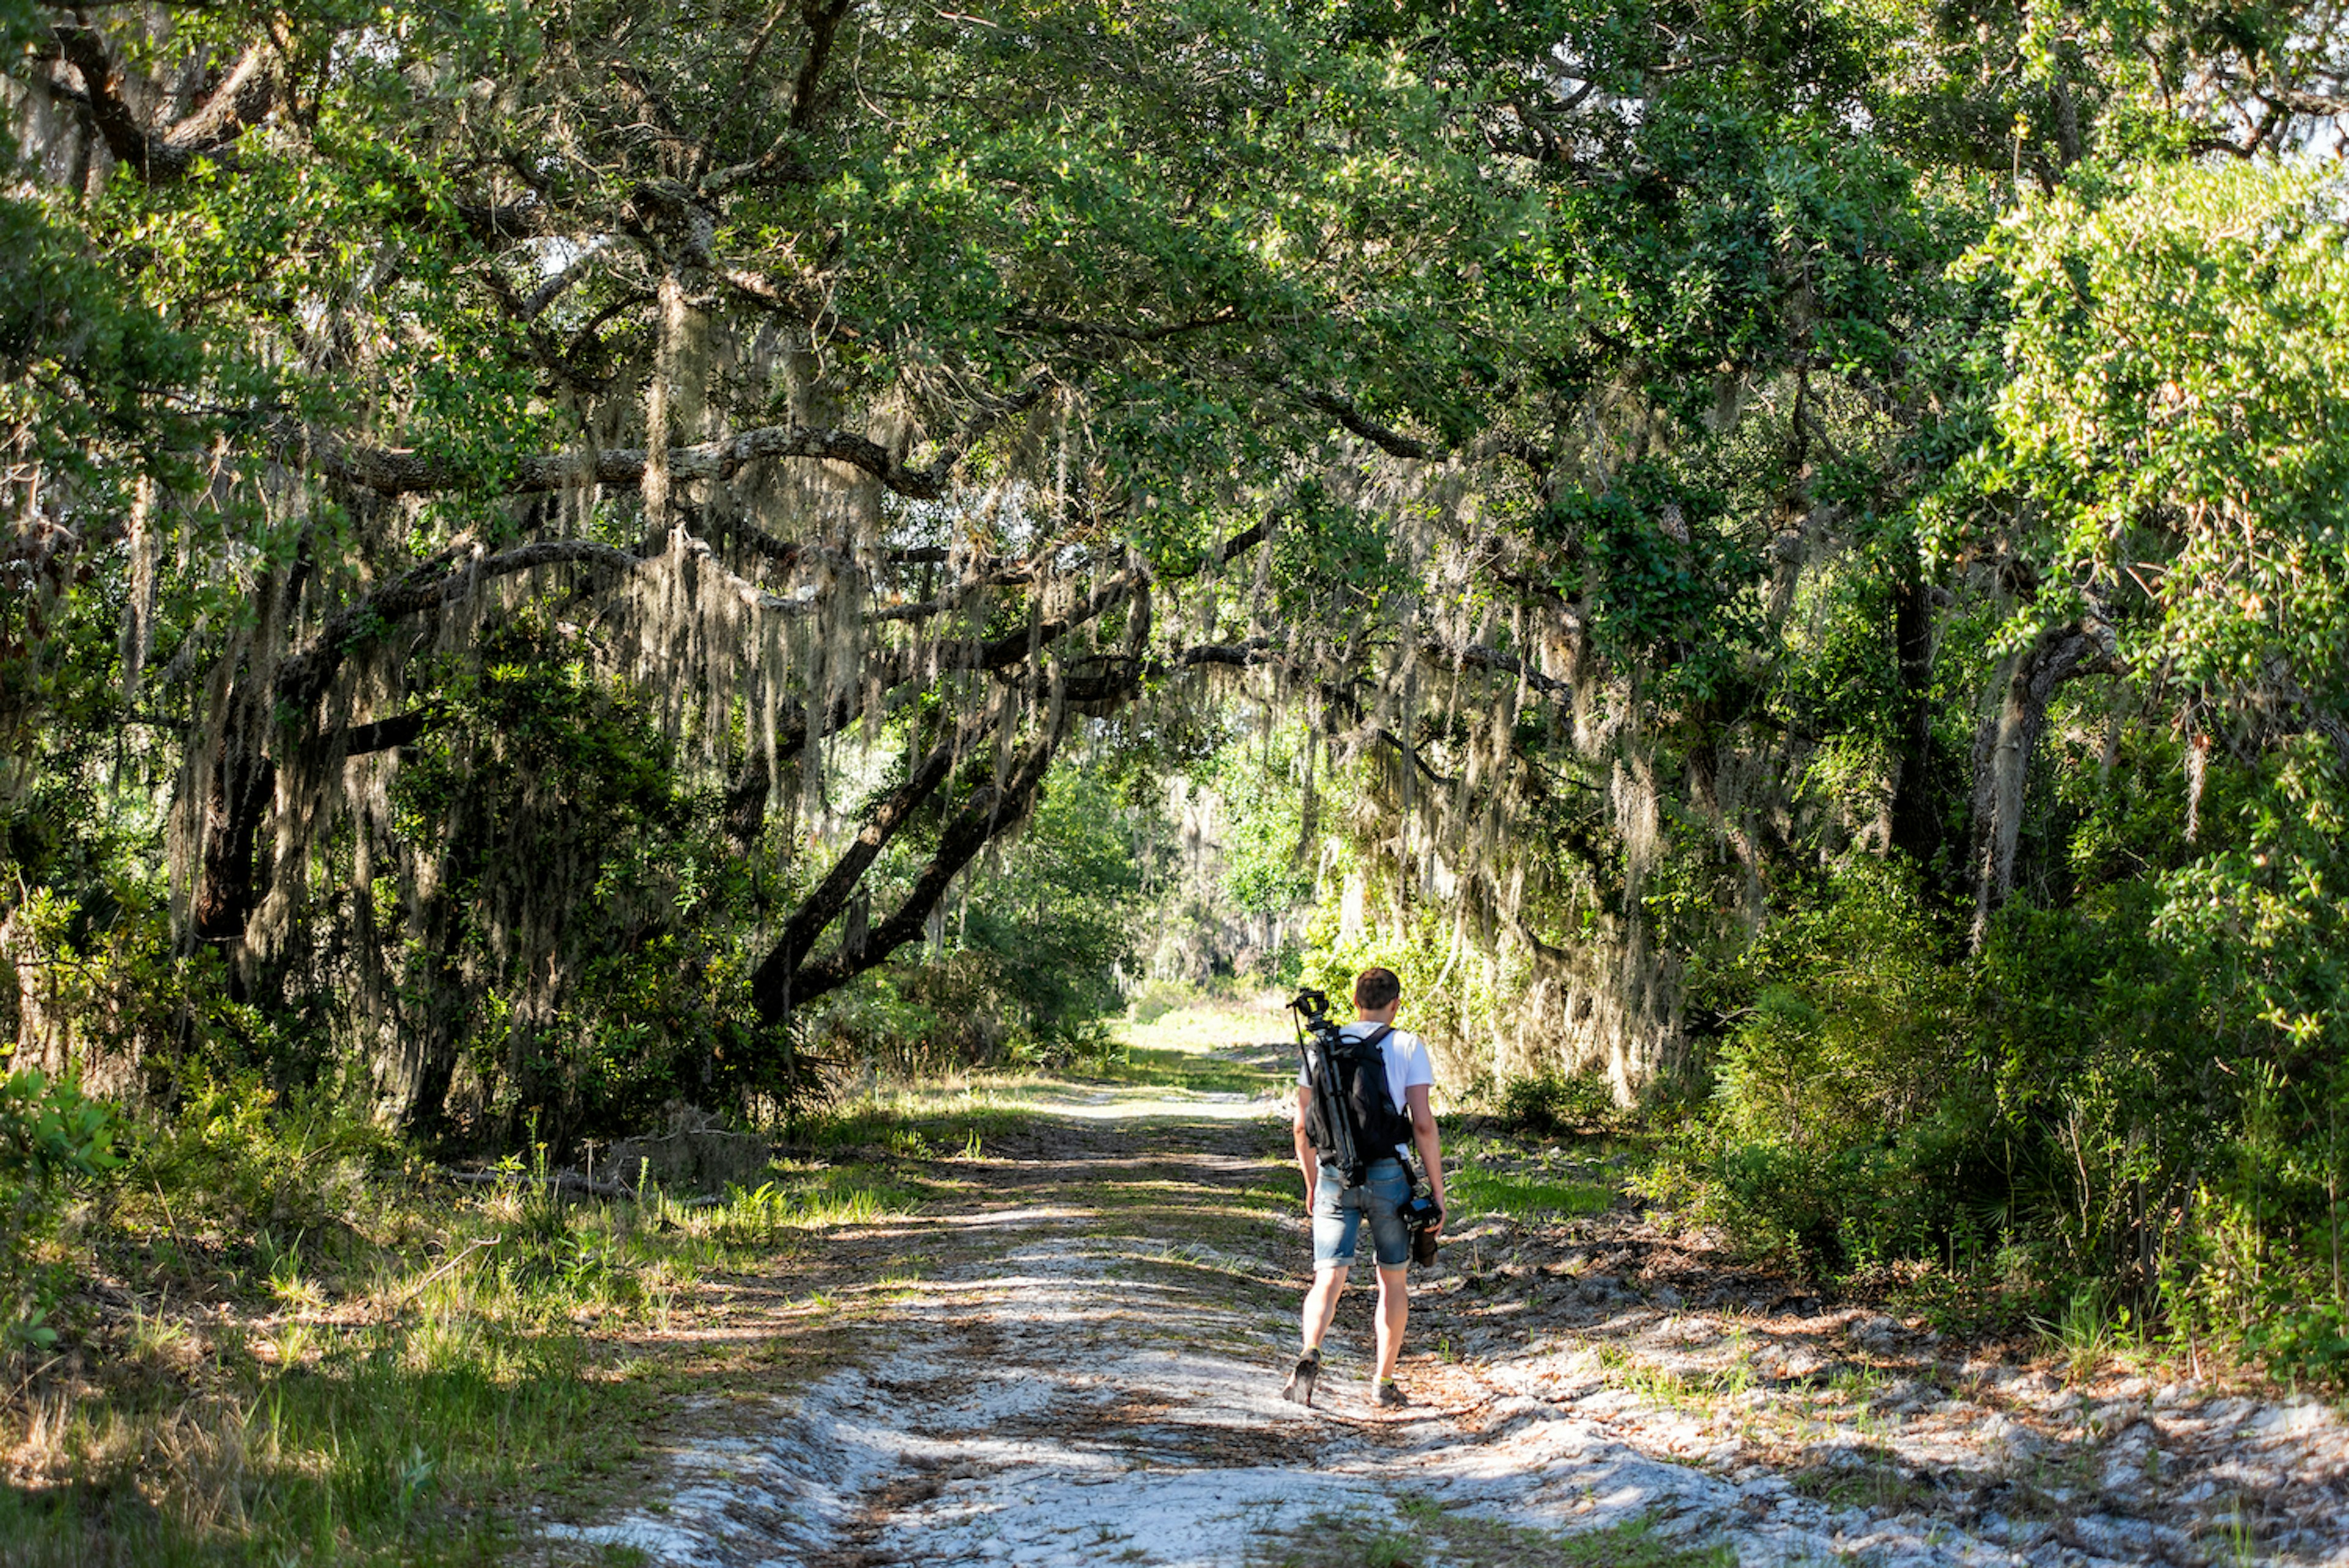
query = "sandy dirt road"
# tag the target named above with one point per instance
(1082, 1367)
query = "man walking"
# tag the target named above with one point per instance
(1339, 1210)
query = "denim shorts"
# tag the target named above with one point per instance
(1339, 1212)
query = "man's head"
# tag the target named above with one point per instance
(1376, 991)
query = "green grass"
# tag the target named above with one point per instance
(1474, 1191)
(920, 1124)
(1421, 1531)
(1872, 1479)
(333, 1357)
(1206, 1026)
(397, 1445)
(1673, 1389)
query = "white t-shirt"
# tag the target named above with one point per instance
(1408, 1064)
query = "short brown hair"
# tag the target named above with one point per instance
(1375, 988)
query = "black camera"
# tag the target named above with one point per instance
(1313, 1010)
(1422, 1214)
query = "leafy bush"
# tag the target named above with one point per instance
(1847, 1097)
(1556, 1103)
(1154, 999)
(544, 785)
(238, 1156)
(51, 1136)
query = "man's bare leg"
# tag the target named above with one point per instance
(1321, 1306)
(1394, 1311)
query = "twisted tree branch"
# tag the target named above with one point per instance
(244, 98)
(400, 471)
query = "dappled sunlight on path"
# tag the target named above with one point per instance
(1085, 1370)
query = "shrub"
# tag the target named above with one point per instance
(51, 1136)
(1848, 1098)
(238, 1158)
(1154, 999)
(1556, 1103)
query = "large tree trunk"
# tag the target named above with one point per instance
(236, 793)
(2002, 749)
(413, 1079)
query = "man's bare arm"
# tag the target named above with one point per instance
(1430, 1146)
(1308, 1161)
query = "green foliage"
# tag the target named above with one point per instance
(2099, 1122)
(1474, 1191)
(1269, 861)
(1061, 918)
(2168, 1030)
(1666, 585)
(2175, 417)
(243, 1159)
(100, 970)
(570, 846)
(1843, 1093)
(1332, 561)
(1154, 999)
(1653, 512)
(1028, 963)
(1557, 1104)
(52, 1138)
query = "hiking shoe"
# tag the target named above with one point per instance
(1300, 1390)
(1386, 1395)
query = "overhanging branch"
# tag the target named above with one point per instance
(438, 580)
(244, 98)
(771, 983)
(989, 812)
(1394, 444)
(400, 471)
(1474, 656)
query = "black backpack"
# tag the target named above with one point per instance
(1356, 1084)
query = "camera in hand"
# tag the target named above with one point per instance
(1422, 1214)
